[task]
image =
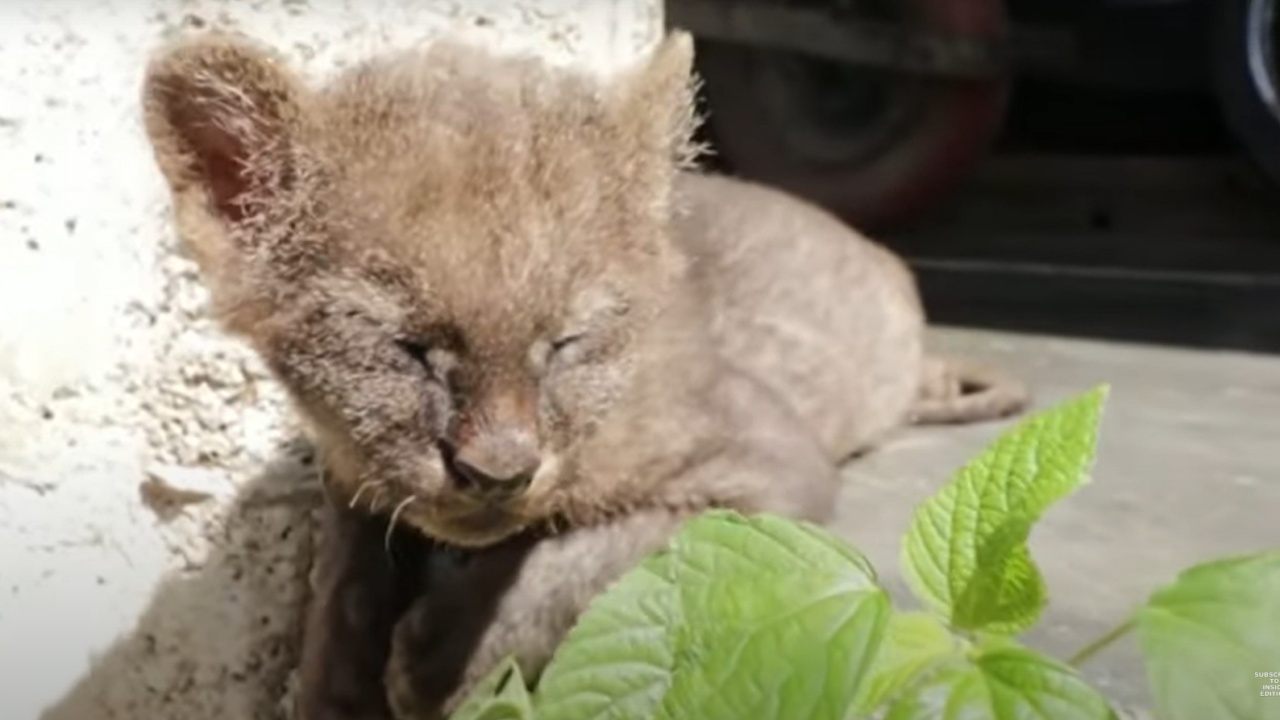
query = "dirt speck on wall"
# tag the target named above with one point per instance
(156, 496)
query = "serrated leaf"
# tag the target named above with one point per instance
(802, 658)
(501, 695)
(1008, 683)
(1208, 637)
(913, 642)
(727, 543)
(761, 617)
(965, 554)
(616, 662)
(797, 615)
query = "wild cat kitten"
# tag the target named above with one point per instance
(506, 309)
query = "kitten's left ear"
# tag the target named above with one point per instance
(660, 95)
(222, 115)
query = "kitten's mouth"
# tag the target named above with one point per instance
(457, 513)
(474, 525)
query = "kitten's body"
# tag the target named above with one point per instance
(827, 318)
(506, 314)
(803, 313)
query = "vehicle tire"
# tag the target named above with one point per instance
(1246, 67)
(916, 137)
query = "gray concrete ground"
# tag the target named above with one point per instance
(1187, 471)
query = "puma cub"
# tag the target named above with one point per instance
(518, 324)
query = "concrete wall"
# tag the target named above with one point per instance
(154, 495)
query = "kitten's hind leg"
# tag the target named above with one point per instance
(519, 599)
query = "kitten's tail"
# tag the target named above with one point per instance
(954, 391)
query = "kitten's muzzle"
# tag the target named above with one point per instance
(495, 467)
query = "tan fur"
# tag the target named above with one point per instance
(510, 318)
(827, 318)
(958, 390)
(406, 246)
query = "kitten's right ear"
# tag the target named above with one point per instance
(223, 116)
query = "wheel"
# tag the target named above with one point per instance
(1247, 77)
(874, 146)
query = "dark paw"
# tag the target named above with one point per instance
(425, 665)
(334, 708)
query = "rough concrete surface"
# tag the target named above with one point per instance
(154, 503)
(1186, 472)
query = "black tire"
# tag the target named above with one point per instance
(893, 172)
(1246, 67)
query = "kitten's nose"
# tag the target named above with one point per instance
(494, 465)
(484, 483)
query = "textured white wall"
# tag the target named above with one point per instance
(154, 500)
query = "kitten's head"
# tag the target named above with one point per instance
(445, 256)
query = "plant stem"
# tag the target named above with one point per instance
(1102, 643)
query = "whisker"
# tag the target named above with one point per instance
(395, 515)
(366, 485)
(376, 501)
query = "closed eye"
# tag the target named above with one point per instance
(416, 350)
(565, 341)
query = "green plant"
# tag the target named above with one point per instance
(762, 618)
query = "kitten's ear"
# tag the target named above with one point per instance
(660, 94)
(223, 116)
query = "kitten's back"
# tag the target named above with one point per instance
(828, 319)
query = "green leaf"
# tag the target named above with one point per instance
(726, 543)
(913, 642)
(966, 553)
(616, 663)
(1006, 683)
(1208, 637)
(755, 617)
(501, 695)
